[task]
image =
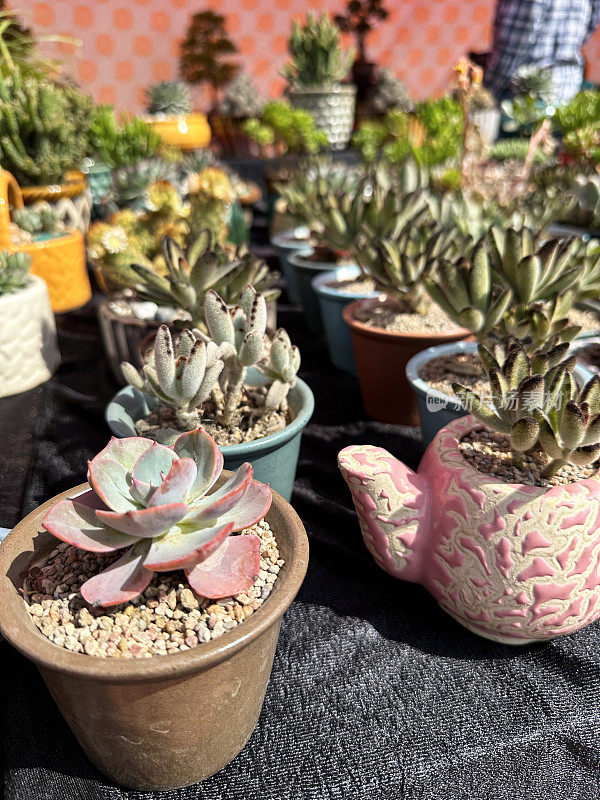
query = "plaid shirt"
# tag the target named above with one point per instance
(547, 33)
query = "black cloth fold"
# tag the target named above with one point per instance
(375, 692)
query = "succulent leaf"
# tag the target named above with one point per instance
(121, 582)
(232, 569)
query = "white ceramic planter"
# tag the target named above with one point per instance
(333, 110)
(28, 347)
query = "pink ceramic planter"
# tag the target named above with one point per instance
(511, 562)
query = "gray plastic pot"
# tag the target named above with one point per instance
(331, 304)
(305, 271)
(437, 409)
(274, 458)
(296, 240)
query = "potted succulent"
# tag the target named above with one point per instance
(27, 327)
(388, 93)
(44, 138)
(241, 101)
(510, 284)
(360, 18)
(57, 252)
(168, 599)
(316, 68)
(256, 415)
(169, 110)
(499, 522)
(115, 142)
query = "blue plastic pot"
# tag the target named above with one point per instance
(286, 244)
(436, 409)
(99, 178)
(305, 271)
(331, 302)
(273, 458)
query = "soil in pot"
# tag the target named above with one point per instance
(390, 317)
(489, 453)
(247, 424)
(464, 368)
(590, 356)
(353, 286)
(168, 617)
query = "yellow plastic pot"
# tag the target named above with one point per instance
(188, 132)
(58, 260)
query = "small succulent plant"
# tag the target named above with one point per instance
(521, 385)
(172, 98)
(389, 93)
(241, 99)
(46, 220)
(206, 265)
(152, 502)
(14, 271)
(317, 59)
(281, 368)
(181, 375)
(119, 142)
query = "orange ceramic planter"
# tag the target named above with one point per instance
(58, 260)
(188, 132)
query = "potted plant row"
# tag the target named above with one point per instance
(150, 603)
(236, 380)
(169, 112)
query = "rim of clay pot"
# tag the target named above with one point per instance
(300, 260)
(380, 333)
(348, 272)
(20, 631)
(301, 390)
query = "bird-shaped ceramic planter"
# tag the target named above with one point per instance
(511, 562)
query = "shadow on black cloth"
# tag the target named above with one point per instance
(375, 692)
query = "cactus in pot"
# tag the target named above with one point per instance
(506, 553)
(151, 501)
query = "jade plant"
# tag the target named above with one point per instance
(43, 128)
(206, 265)
(169, 98)
(14, 271)
(182, 376)
(152, 502)
(317, 60)
(535, 400)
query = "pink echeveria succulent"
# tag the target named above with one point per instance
(152, 502)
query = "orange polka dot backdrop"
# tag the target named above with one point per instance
(129, 44)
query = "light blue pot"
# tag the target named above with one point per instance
(436, 409)
(273, 458)
(305, 271)
(286, 244)
(331, 303)
(99, 178)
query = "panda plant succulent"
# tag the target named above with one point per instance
(202, 378)
(152, 502)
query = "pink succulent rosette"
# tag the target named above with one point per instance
(151, 501)
(512, 562)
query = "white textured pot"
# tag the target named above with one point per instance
(332, 108)
(488, 122)
(28, 347)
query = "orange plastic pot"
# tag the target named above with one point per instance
(381, 357)
(188, 132)
(59, 260)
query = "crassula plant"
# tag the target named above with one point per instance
(535, 400)
(152, 502)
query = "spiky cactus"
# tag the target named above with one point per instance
(181, 375)
(152, 502)
(170, 98)
(317, 60)
(521, 385)
(43, 128)
(206, 265)
(14, 271)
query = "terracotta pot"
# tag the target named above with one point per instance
(167, 721)
(511, 562)
(381, 358)
(188, 132)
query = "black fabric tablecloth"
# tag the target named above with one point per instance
(375, 692)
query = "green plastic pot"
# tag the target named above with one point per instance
(274, 458)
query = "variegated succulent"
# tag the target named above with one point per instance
(152, 502)
(521, 386)
(181, 375)
(206, 265)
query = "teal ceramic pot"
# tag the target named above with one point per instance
(296, 240)
(436, 409)
(331, 302)
(99, 177)
(273, 458)
(306, 270)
